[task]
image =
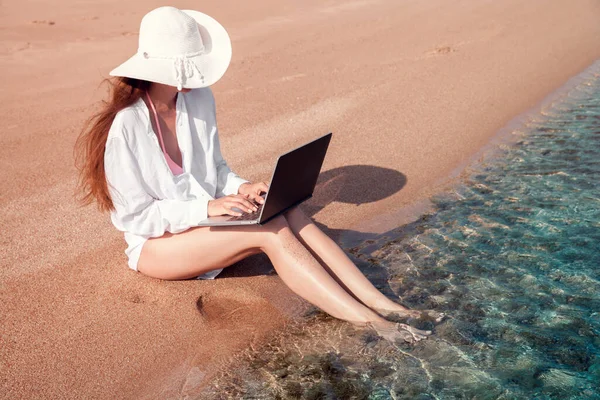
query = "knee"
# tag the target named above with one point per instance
(295, 212)
(275, 231)
(296, 218)
(276, 225)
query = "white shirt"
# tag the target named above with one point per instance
(148, 199)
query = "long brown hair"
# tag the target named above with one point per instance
(89, 147)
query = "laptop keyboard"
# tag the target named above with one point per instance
(248, 216)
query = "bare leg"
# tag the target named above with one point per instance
(342, 268)
(199, 250)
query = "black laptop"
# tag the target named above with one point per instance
(293, 182)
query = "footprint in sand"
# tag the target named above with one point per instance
(43, 22)
(441, 50)
(134, 298)
(22, 47)
(218, 310)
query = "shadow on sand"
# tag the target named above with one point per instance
(353, 184)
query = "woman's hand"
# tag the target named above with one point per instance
(254, 191)
(225, 205)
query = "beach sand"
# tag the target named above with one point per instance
(410, 89)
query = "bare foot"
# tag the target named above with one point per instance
(393, 332)
(403, 312)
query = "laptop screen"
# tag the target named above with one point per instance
(295, 177)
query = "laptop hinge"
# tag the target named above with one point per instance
(284, 210)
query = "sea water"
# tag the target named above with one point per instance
(511, 255)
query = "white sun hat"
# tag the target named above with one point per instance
(181, 48)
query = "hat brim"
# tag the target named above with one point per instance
(213, 62)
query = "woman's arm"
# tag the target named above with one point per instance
(135, 210)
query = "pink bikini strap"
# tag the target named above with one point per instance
(157, 123)
(175, 168)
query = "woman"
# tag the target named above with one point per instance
(151, 157)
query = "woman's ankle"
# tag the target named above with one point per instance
(385, 304)
(367, 318)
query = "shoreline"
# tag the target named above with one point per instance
(505, 136)
(352, 239)
(508, 253)
(411, 92)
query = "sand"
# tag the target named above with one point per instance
(411, 90)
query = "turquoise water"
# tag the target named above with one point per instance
(511, 254)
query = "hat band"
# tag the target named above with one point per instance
(183, 67)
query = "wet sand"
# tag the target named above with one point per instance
(410, 89)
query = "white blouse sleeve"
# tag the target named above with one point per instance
(227, 180)
(135, 210)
